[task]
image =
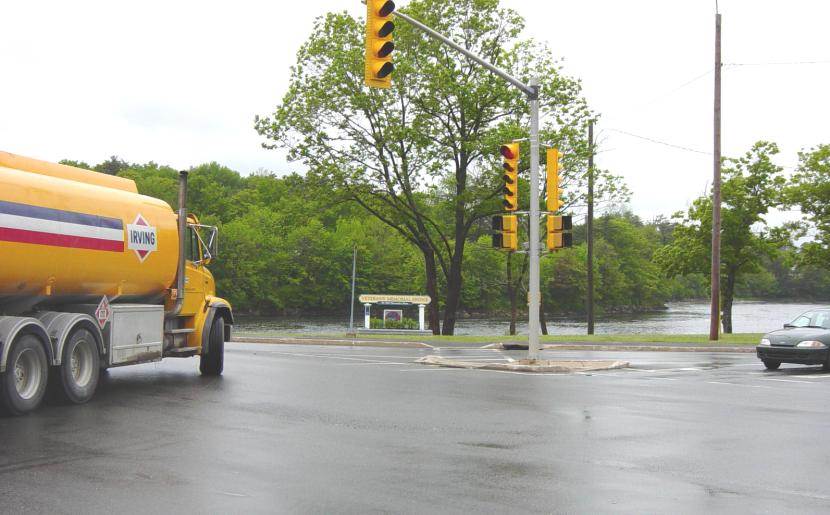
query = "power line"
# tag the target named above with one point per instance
(652, 140)
(777, 63)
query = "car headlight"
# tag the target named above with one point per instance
(765, 342)
(811, 344)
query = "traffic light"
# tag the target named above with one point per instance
(510, 152)
(553, 200)
(379, 44)
(506, 236)
(559, 232)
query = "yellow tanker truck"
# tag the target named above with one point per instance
(94, 275)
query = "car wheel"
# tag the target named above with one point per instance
(23, 384)
(771, 365)
(212, 360)
(76, 379)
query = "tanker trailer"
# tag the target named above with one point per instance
(94, 275)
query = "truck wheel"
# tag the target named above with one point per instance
(23, 384)
(212, 360)
(771, 365)
(76, 380)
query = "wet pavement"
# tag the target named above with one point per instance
(357, 430)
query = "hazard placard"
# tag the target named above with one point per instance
(103, 312)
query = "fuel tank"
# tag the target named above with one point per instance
(68, 234)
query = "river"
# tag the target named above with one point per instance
(679, 318)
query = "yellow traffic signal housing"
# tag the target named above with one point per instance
(553, 195)
(379, 44)
(510, 153)
(559, 235)
(506, 236)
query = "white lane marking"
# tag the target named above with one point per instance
(738, 384)
(787, 380)
(367, 361)
(465, 358)
(508, 358)
(231, 494)
(373, 363)
(429, 368)
(399, 356)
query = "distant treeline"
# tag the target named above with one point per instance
(286, 248)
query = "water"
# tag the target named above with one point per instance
(680, 318)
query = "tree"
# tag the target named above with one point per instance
(112, 166)
(76, 164)
(810, 191)
(416, 156)
(752, 185)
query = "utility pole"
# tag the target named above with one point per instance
(589, 227)
(714, 318)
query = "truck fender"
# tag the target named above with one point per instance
(11, 327)
(216, 308)
(60, 325)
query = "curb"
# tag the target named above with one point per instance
(624, 347)
(332, 343)
(540, 366)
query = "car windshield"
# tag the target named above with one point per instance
(813, 319)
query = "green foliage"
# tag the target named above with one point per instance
(810, 192)
(404, 323)
(752, 185)
(286, 247)
(76, 164)
(422, 156)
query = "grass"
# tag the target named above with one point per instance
(726, 339)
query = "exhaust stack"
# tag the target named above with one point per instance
(177, 308)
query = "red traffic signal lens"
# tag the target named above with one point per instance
(387, 8)
(385, 70)
(386, 49)
(507, 152)
(386, 29)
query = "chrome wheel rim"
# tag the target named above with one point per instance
(80, 363)
(27, 374)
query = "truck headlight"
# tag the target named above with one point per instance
(811, 344)
(764, 342)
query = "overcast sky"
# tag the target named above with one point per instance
(179, 81)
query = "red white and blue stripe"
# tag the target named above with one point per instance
(24, 223)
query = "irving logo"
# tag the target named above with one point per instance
(141, 238)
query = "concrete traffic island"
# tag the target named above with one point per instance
(538, 366)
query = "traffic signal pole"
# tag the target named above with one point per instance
(532, 92)
(534, 296)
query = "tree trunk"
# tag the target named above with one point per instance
(453, 294)
(542, 322)
(728, 294)
(432, 290)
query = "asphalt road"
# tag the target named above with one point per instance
(359, 430)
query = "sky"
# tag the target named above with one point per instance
(179, 82)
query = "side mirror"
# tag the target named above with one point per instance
(213, 242)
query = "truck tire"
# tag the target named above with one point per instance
(23, 384)
(76, 379)
(212, 360)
